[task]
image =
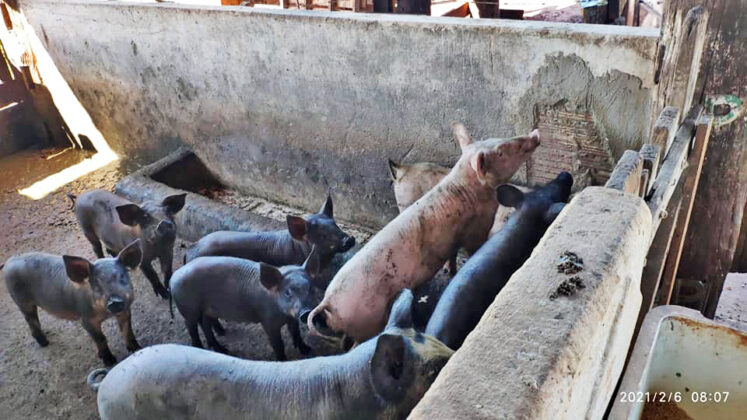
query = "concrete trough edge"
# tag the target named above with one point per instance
(534, 357)
(200, 215)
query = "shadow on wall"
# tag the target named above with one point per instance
(38, 108)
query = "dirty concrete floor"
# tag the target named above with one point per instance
(35, 382)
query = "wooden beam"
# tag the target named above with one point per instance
(594, 14)
(713, 235)
(691, 178)
(626, 176)
(414, 7)
(489, 9)
(383, 6)
(513, 14)
(671, 168)
(665, 128)
(657, 257)
(684, 34)
(651, 155)
(739, 264)
(630, 13)
(613, 10)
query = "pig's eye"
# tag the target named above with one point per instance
(500, 153)
(287, 293)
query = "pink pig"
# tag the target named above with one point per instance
(457, 212)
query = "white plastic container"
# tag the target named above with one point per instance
(681, 355)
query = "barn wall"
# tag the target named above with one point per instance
(286, 104)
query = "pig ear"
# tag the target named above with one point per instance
(270, 277)
(327, 206)
(552, 213)
(393, 168)
(297, 227)
(78, 269)
(131, 255)
(390, 373)
(174, 203)
(509, 196)
(130, 214)
(401, 314)
(461, 136)
(311, 265)
(478, 164)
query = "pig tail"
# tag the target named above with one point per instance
(95, 378)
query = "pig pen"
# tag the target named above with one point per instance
(260, 114)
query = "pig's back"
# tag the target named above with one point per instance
(174, 381)
(100, 205)
(96, 212)
(225, 287)
(41, 278)
(407, 252)
(268, 247)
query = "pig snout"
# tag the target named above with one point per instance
(348, 243)
(531, 142)
(316, 320)
(115, 304)
(303, 315)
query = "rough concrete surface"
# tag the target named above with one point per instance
(49, 383)
(732, 304)
(536, 357)
(286, 104)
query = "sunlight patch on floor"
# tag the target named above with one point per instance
(41, 189)
(76, 118)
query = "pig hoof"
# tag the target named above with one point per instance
(109, 360)
(163, 293)
(42, 340)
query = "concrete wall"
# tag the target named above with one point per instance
(285, 104)
(534, 357)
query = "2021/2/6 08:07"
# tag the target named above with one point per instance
(696, 397)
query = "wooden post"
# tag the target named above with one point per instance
(689, 191)
(383, 6)
(414, 7)
(671, 169)
(664, 128)
(626, 176)
(613, 10)
(594, 14)
(657, 257)
(712, 238)
(650, 154)
(631, 13)
(739, 265)
(683, 39)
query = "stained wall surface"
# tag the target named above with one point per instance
(288, 104)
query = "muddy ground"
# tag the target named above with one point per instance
(36, 382)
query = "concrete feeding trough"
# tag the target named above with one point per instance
(182, 172)
(210, 206)
(680, 355)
